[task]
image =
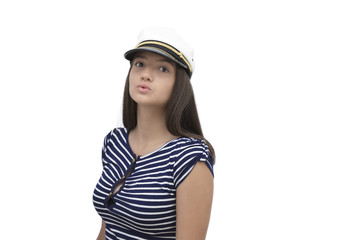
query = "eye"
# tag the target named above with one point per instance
(164, 69)
(139, 64)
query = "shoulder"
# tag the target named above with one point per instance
(119, 134)
(118, 131)
(190, 151)
(188, 146)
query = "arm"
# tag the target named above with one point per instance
(193, 204)
(101, 235)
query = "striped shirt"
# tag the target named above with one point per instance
(144, 208)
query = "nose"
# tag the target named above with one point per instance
(146, 75)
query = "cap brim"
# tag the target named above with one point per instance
(129, 55)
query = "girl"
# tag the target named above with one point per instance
(157, 179)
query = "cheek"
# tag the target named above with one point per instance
(168, 88)
(131, 77)
(131, 84)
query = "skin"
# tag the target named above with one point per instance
(194, 195)
(101, 235)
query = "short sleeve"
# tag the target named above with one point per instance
(187, 159)
(104, 147)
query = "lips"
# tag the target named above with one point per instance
(143, 88)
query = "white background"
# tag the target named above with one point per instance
(277, 87)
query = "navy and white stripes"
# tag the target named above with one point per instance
(145, 205)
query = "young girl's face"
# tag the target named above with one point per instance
(151, 79)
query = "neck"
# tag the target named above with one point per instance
(151, 124)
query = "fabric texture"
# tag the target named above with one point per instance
(145, 205)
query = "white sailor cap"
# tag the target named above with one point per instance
(166, 42)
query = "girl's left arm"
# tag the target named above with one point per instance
(193, 204)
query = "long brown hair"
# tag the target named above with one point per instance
(182, 118)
